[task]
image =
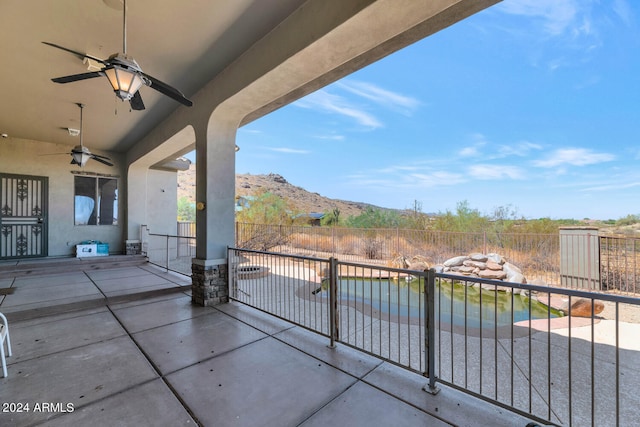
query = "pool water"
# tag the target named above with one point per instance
(405, 300)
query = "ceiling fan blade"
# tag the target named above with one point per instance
(136, 102)
(73, 162)
(102, 157)
(77, 77)
(97, 159)
(165, 89)
(78, 54)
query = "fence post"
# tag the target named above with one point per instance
(167, 257)
(484, 241)
(430, 335)
(333, 301)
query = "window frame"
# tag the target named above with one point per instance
(95, 192)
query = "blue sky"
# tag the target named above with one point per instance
(533, 104)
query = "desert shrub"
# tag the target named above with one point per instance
(372, 248)
(261, 237)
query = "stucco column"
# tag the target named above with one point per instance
(215, 211)
(136, 207)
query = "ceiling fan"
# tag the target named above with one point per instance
(81, 154)
(124, 74)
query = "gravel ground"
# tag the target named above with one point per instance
(627, 312)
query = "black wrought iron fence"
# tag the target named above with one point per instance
(561, 356)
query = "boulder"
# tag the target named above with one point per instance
(463, 269)
(492, 265)
(516, 278)
(492, 274)
(478, 257)
(581, 307)
(510, 269)
(438, 268)
(455, 261)
(495, 258)
(478, 264)
(398, 262)
(418, 266)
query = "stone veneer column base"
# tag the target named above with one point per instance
(133, 247)
(209, 284)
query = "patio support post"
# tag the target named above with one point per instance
(215, 209)
(430, 336)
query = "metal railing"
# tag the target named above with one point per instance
(620, 261)
(186, 229)
(501, 342)
(613, 263)
(536, 254)
(174, 253)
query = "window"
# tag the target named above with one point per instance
(96, 200)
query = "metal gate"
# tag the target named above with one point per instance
(23, 216)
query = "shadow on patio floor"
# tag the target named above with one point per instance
(125, 346)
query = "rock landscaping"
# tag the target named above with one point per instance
(490, 266)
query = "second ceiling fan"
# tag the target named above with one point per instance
(124, 74)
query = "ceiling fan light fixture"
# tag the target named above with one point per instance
(80, 155)
(125, 82)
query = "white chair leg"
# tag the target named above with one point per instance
(4, 362)
(8, 343)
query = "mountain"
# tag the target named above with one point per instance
(249, 185)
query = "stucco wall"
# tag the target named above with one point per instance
(26, 157)
(162, 202)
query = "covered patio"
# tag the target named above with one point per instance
(119, 356)
(131, 344)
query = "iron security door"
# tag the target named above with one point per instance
(23, 216)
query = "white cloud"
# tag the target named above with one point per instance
(558, 16)
(623, 10)
(489, 172)
(474, 149)
(324, 101)
(436, 179)
(379, 95)
(254, 131)
(573, 157)
(288, 150)
(519, 149)
(399, 169)
(331, 137)
(470, 151)
(612, 187)
(491, 151)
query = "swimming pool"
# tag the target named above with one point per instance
(454, 302)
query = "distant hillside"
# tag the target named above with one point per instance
(248, 185)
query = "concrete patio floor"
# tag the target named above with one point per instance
(125, 346)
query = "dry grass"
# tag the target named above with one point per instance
(538, 256)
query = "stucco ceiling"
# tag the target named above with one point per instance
(184, 44)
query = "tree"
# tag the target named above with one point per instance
(374, 218)
(465, 219)
(628, 220)
(267, 208)
(186, 210)
(415, 219)
(331, 218)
